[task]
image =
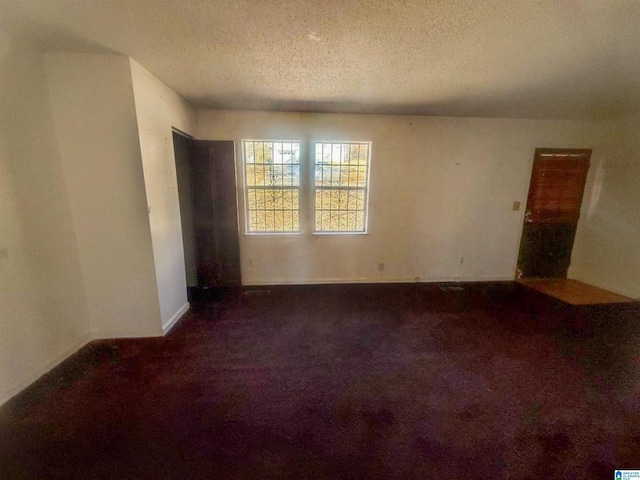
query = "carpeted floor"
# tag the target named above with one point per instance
(344, 382)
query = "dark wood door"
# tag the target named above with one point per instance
(215, 213)
(182, 146)
(553, 210)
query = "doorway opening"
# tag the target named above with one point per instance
(206, 178)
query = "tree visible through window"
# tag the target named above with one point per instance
(272, 179)
(341, 186)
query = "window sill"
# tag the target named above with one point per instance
(330, 234)
(271, 234)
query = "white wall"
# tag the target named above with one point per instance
(158, 109)
(607, 246)
(43, 314)
(95, 118)
(442, 191)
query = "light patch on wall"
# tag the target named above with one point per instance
(313, 36)
(5, 51)
(5, 44)
(596, 190)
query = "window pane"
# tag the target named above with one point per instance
(261, 177)
(288, 220)
(342, 199)
(288, 200)
(250, 174)
(281, 175)
(277, 152)
(320, 158)
(263, 152)
(326, 220)
(269, 221)
(363, 154)
(269, 199)
(272, 180)
(352, 201)
(342, 221)
(249, 153)
(322, 176)
(340, 175)
(278, 203)
(279, 220)
(260, 220)
(361, 203)
(351, 221)
(333, 221)
(361, 176)
(340, 178)
(262, 199)
(291, 175)
(275, 198)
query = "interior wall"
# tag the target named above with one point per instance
(95, 118)
(43, 314)
(607, 246)
(442, 191)
(158, 109)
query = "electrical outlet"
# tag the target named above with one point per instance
(516, 206)
(381, 266)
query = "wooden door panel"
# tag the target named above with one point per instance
(546, 250)
(226, 212)
(182, 151)
(215, 213)
(204, 224)
(552, 214)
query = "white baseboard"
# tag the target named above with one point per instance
(329, 281)
(13, 390)
(174, 319)
(109, 334)
(115, 334)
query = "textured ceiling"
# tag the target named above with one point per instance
(511, 58)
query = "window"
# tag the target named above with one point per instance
(341, 184)
(335, 180)
(272, 179)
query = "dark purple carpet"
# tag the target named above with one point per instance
(344, 382)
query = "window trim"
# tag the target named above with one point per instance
(312, 165)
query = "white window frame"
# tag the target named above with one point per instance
(312, 167)
(306, 189)
(246, 188)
